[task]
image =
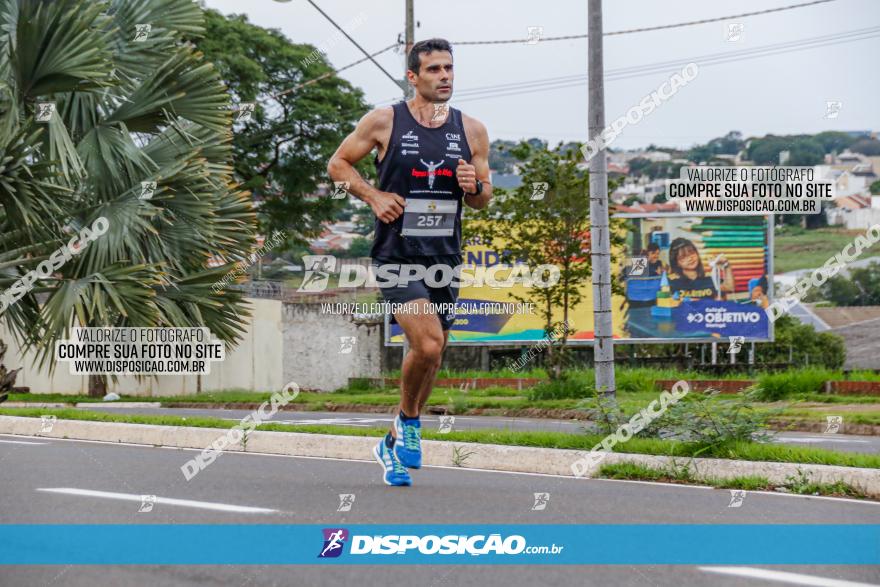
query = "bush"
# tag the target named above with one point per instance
(700, 418)
(776, 386)
(710, 422)
(635, 380)
(581, 384)
(860, 376)
(822, 349)
(859, 287)
(571, 385)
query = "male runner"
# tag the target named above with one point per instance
(430, 158)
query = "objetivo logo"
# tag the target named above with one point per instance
(334, 540)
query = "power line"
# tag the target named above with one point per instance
(673, 63)
(355, 43)
(653, 28)
(558, 38)
(548, 84)
(334, 71)
(647, 73)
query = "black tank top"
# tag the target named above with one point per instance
(419, 165)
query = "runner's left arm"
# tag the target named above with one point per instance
(477, 169)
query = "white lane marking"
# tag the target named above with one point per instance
(118, 405)
(20, 442)
(205, 505)
(783, 577)
(341, 421)
(318, 423)
(363, 422)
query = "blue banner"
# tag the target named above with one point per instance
(722, 318)
(557, 544)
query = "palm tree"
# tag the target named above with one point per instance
(132, 104)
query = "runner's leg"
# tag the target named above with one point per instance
(428, 385)
(426, 341)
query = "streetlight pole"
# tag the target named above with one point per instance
(410, 35)
(600, 232)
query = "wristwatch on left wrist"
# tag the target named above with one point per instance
(479, 189)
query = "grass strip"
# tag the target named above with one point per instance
(747, 451)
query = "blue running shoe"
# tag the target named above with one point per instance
(395, 473)
(408, 447)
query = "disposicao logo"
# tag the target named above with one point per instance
(334, 540)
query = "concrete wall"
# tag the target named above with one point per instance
(314, 355)
(283, 342)
(253, 365)
(854, 219)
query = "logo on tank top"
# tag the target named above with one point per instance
(410, 136)
(451, 136)
(432, 172)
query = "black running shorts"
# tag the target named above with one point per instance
(439, 291)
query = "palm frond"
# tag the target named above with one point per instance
(128, 111)
(183, 86)
(57, 48)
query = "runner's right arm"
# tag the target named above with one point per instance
(366, 136)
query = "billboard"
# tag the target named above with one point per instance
(685, 279)
(697, 278)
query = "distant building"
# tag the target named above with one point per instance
(848, 156)
(846, 182)
(854, 202)
(657, 156)
(622, 169)
(856, 212)
(335, 237)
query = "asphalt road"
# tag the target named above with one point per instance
(838, 442)
(47, 480)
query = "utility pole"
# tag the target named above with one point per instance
(410, 35)
(600, 233)
(407, 93)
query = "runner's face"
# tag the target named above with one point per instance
(434, 80)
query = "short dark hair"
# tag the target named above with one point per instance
(413, 61)
(653, 247)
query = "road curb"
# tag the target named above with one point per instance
(517, 459)
(34, 405)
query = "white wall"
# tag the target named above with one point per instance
(255, 364)
(313, 350)
(861, 219)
